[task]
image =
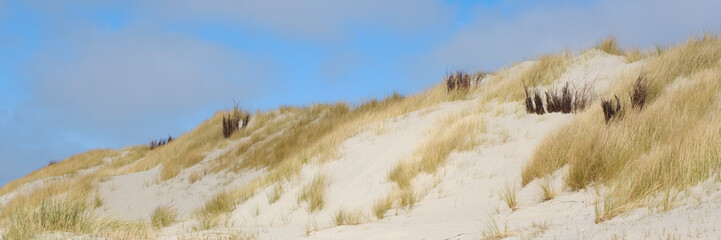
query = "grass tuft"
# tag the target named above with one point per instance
(314, 193)
(610, 46)
(163, 216)
(492, 231)
(275, 193)
(223, 202)
(380, 207)
(508, 195)
(545, 189)
(343, 217)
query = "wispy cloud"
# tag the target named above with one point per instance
(495, 39)
(313, 19)
(123, 74)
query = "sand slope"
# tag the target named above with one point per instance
(460, 201)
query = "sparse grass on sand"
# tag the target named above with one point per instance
(313, 193)
(68, 198)
(610, 45)
(345, 217)
(492, 231)
(68, 166)
(222, 202)
(163, 216)
(545, 189)
(72, 214)
(508, 195)
(666, 144)
(455, 132)
(543, 72)
(290, 135)
(380, 207)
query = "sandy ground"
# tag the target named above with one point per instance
(461, 201)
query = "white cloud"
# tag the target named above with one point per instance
(493, 40)
(314, 19)
(119, 75)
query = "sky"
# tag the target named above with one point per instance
(79, 75)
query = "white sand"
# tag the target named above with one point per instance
(461, 198)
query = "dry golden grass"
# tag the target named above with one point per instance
(185, 151)
(633, 55)
(492, 231)
(458, 132)
(220, 203)
(71, 213)
(380, 207)
(313, 193)
(508, 195)
(292, 137)
(163, 216)
(547, 69)
(610, 46)
(667, 144)
(275, 193)
(344, 217)
(70, 165)
(545, 189)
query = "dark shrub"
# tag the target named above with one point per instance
(553, 101)
(529, 102)
(538, 102)
(160, 142)
(582, 98)
(639, 93)
(566, 101)
(458, 80)
(480, 75)
(232, 121)
(611, 109)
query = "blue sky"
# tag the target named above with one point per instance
(77, 75)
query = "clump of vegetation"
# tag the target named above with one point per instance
(508, 195)
(610, 46)
(221, 203)
(611, 109)
(492, 231)
(275, 193)
(72, 215)
(382, 206)
(538, 102)
(343, 217)
(534, 102)
(639, 93)
(232, 121)
(458, 80)
(314, 193)
(160, 142)
(582, 98)
(163, 216)
(542, 73)
(644, 153)
(545, 189)
(67, 166)
(559, 102)
(530, 107)
(568, 100)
